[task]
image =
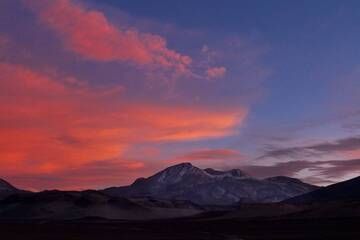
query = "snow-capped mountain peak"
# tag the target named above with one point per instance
(177, 173)
(211, 187)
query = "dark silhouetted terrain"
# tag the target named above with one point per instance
(331, 212)
(6, 189)
(76, 205)
(345, 191)
(189, 229)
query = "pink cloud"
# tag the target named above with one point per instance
(90, 34)
(352, 154)
(217, 158)
(52, 124)
(215, 72)
(211, 154)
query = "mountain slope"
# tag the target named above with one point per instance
(343, 191)
(211, 187)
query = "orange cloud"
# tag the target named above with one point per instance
(216, 72)
(90, 34)
(36, 112)
(184, 123)
(51, 124)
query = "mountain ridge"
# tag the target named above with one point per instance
(212, 187)
(339, 200)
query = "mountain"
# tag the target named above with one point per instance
(6, 189)
(89, 204)
(212, 187)
(184, 191)
(344, 191)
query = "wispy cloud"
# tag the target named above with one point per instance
(51, 123)
(325, 171)
(216, 72)
(341, 145)
(210, 154)
(90, 34)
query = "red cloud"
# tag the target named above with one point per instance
(50, 125)
(90, 34)
(216, 72)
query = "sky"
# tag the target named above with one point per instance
(96, 93)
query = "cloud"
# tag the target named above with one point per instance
(325, 171)
(218, 158)
(215, 72)
(90, 34)
(345, 145)
(94, 175)
(211, 154)
(52, 123)
(339, 168)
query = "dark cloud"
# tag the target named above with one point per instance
(346, 144)
(327, 171)
(283, 169)
(339, 168)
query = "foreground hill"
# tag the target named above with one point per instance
(211, 187)
(343, 191)
(76, 205)
(6, 189)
